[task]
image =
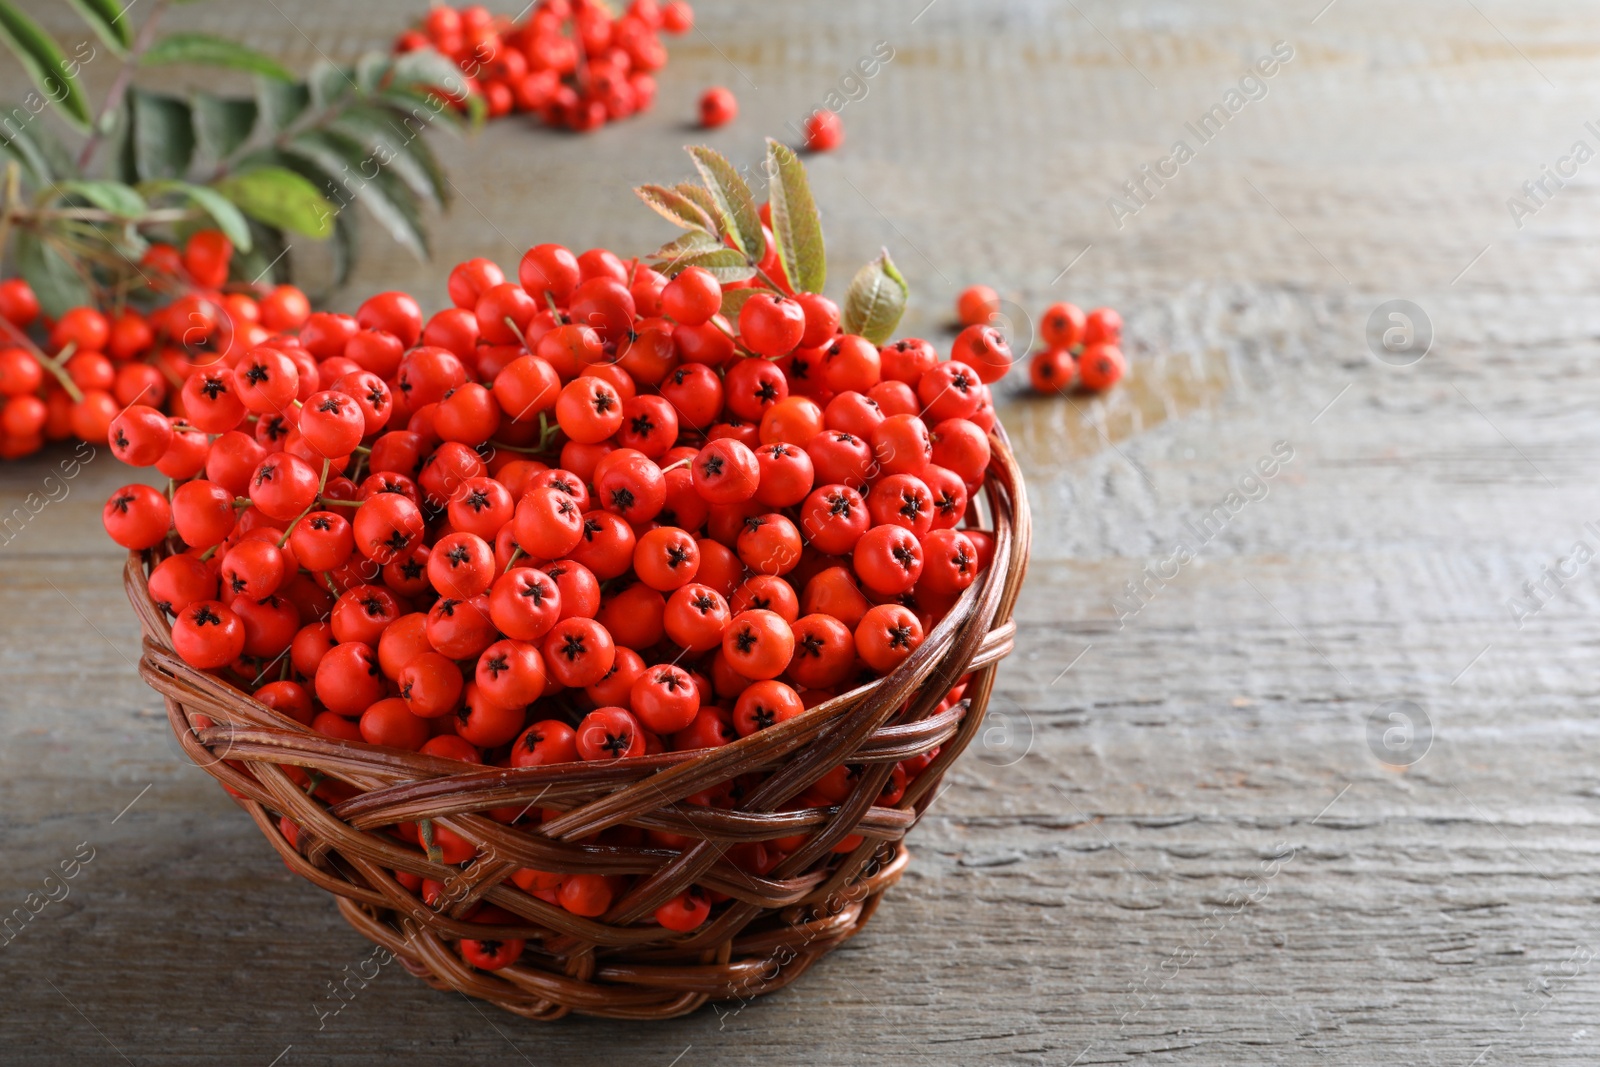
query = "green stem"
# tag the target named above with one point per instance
(94, 214)
(774, 286)
(13, 195)
(23, 341)
(119, 87)
(522, 449)
(425, 831)
(321, 485)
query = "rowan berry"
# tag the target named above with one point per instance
(983, 348)
(604, 734)
(763, 704)
(1100, 366)
(1102, 326)
(726, 472)
(824, 652)
(888, 559)
(546, 742)
(578, 652)
(771, 325)
(718, 107)
(758, 644)
(1052, 371)
(824, 131)
(208, 635)
(137, 517)
(976, 305)
(688, 910)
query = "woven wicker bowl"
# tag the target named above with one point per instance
(620, 965)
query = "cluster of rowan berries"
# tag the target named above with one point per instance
(579, 515)
(570, 62)
(88, 365)
(1082, 350)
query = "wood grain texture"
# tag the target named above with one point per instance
(1075, 898)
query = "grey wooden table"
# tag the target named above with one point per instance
(1196, 832)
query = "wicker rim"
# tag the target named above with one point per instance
(771, 930)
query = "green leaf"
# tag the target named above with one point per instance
(115, 197)
(796, 226)
(371, 70)
(875, 300)
(206, 50)
(346, 243)
(409, 106)
(425, 77)
(733, 300)
(280, 104)
(267, 259)
(698, 195)
(57, 285)
(389, 201)
(229, 219)
(121, 162)
(688, 243)
(223, 123)
(725, 264)
(282, 198)
(428, 69)
(397, 146)
(41, 57)
(329, 84)
(105, 17)
(736, 207)
(163, 135)
(676, 208)
(42, 159)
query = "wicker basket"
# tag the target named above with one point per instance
(620, 965)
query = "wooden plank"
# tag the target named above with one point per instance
(1074, 898)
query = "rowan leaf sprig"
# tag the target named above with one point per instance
(267, 168)
(724, 235)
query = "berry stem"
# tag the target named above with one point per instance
(23, 341)
(425, 828)
(774, 286)
(12, 196)
(321, 485)
(521, 337)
